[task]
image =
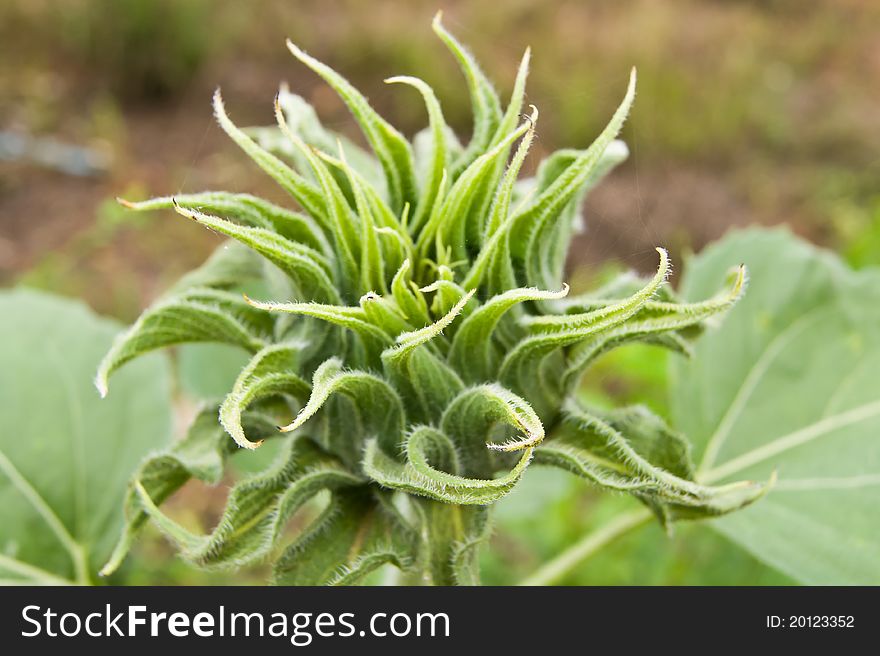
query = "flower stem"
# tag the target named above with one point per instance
(554, 570)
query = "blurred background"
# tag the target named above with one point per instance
(747, 112)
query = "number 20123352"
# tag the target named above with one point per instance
(810, 622)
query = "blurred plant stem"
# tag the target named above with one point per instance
(569, 559)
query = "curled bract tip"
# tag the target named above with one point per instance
(664, 266)
(238, 436)
(183, 211)
(101, 385)
(532, 118)
(297, 52)
(260, 305)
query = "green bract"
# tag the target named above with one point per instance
(415, 336)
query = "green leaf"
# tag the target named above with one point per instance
(525, 367)
(514, 107)
(632, 450)
(460, 490)
(372, 266)
(474, 353)
(357, 533)
(392, 149)
(498, 223)
(304, 191)
(310, 271)
(486, 106)
(409, 297)
(201, 454)
(376, 403)
(788, 384)
(206, 371)
(558, 163)
(269, 373)
(353, 318)
(547, 513)
(461, 213)
(258, 507)
(469, 418)
(671, 325)
(464, 448)
(555, 249)
(439, 156)
(408, 342)
(247, 209)
(303, 120)
(426, 382)
(199, 315)
(537, 231)
(341, 220)
(65, 456)
(475, 534)
(454, 535)
(383, 311)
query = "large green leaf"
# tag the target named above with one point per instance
(66, 455)
(208, 371)
(546, 513)
(789, 384)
